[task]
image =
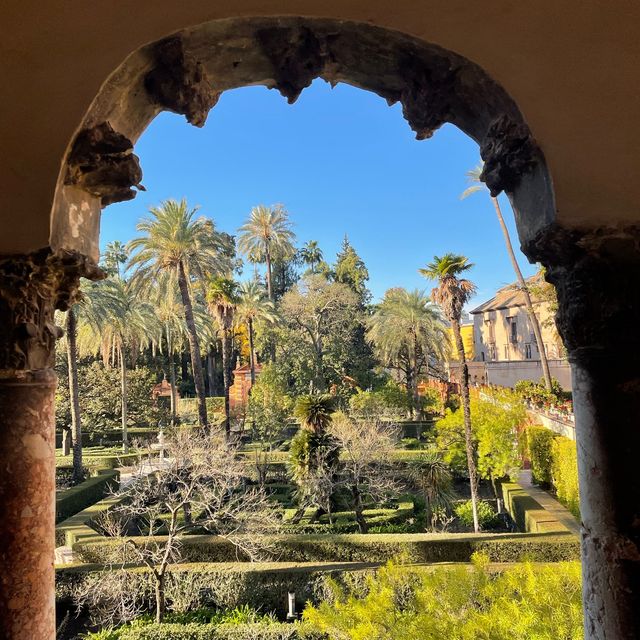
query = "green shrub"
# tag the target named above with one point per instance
(518, 603)
(564, 473)
(539, 442)
(71, 501)
(487, 517)
(527, 513)
(361, 548)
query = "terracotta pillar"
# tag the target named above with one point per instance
(597, 276)
(31, 288)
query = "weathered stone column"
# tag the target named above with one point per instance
(597, 276)
(31, 288)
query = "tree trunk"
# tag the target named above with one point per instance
(533, 318)
(160, 597)
(466, 408)
(226, 373)
(363, 527)
(211, 373)
(74, 395)
(174, 391)
(268, 261)
(184, 365)
(252, 356)
(194, 347)
(123, 390)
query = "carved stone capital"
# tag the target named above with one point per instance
(179, 82)
(596, 274)
(102, 163)
(508, 151)
(32, 287)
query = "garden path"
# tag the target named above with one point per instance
(548, 502)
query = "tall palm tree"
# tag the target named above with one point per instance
(311, 255)
(476, 184)
(114, 257)
(408, 334)
(120, 320)
(315, 412)
(267, 236)
(253, 307)
(222, 300)
(452, 293)
(187, 248)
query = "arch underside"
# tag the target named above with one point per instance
(186, 73)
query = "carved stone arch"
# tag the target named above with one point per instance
(187, 71)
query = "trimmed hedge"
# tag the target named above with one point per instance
(225, 585)
(554, 464)
(539, 442)
(92, 490)
(564, 473)
(528, 514)
(189, 406)
(277, 631)
(79, 526)
(378, 548)
(94, 460)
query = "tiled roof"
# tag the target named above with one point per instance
(507, 297)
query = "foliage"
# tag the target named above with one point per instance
(418, 548)
(495, 422)
(519, 603)
(539, 442)
(388, 401)
(203, 485)
(75, 499)
(408, 334)
(315, 345)
(99, 388)
(536, 394)
(351, 270)
(564, 473)
(433, 480)
(486, 514)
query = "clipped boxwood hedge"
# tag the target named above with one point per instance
(528, 513)
(92, 490)
(225, 585)
(279, 631)
(378, 548)
(79, 526)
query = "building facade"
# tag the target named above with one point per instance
(505, 348)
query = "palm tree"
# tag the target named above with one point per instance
(313, 452)
(452, 293)
(222, 300)
(311, 255)
(120, 320)
(115, 255)
(315, 412)
(266, 236)
(253, 307)
(408, 334)
(476, 184)
(186, 248)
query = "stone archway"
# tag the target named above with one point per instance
(594, 270)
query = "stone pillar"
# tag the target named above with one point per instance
(31, 288)
(597, 277)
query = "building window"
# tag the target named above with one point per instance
(482, 354)
(513, 330)
(492, 352)
(506, 351)
(527, 351)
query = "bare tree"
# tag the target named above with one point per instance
(203, 485)
(365, 463)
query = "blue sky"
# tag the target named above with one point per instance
(341, 161)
